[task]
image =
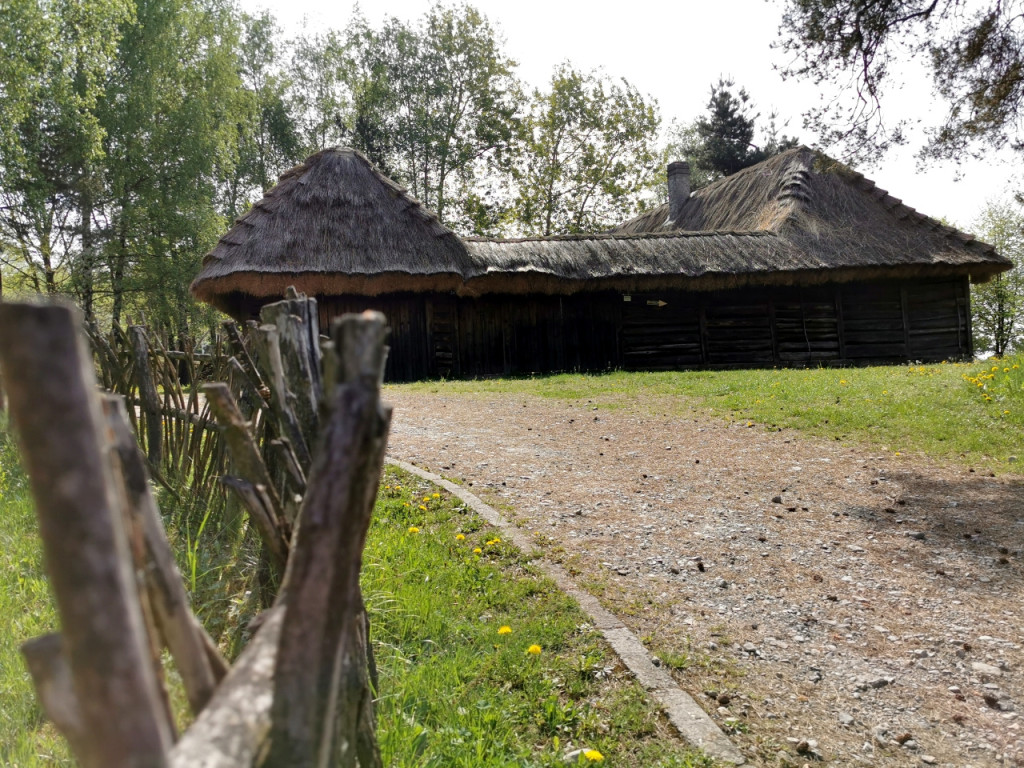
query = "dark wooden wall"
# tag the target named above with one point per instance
(452, 337)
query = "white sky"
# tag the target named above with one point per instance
(674, 51)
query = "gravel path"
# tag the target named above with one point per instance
(826, 603)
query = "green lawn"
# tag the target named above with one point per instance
(458, 690)
(26, 611)
(968, 413)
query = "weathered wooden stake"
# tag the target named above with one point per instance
(182, 634)
(253, 484)
(321, 635)
(52, 391)
(148, 395)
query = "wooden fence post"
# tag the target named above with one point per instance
(56, 413)
(195, 654)
(253, 484)
(320, 639)
(148, 396)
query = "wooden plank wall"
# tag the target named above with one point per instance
(444, 336)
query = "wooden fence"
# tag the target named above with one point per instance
(297, 431)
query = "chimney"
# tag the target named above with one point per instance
(678, 188)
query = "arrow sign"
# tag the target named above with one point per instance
(656, 303)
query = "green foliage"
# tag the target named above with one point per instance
(437, 103)
(321, 75)
(928, 409)
(724, 136)
(997, 307)
(976, 60)
(56, 61)
(268, 138)
(589, 156)
(723, 140)
(108, 172)
(454, 690)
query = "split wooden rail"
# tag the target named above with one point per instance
(304, 435)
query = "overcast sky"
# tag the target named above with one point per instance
(674, 52)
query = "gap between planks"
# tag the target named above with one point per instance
(692, 722)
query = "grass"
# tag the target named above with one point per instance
(966, 413)
(457, 690)
(454, 691)
(26, 611)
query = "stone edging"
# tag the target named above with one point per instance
(692, 722)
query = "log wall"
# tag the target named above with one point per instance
(445, 336)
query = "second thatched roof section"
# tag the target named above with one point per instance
(334, 225)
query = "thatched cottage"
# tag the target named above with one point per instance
(795, 261)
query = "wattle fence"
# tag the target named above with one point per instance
(294, 428)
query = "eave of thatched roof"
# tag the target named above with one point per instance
(690, 260)
(333, 224)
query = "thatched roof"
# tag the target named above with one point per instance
(332, 225)
(335, 225)
(819, 205)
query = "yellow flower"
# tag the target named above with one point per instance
(505, 630)
(593, 756)
(477, 551)
(436, 496)
(460, 537)
(413, 529)
(426, 498)
(496, 540)
(423, 508)
(842, 381)
(534, 650)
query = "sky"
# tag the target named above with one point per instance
(674, 52)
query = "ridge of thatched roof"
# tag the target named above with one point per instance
(334, 215)
(808, 197)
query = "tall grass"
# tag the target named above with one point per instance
(26, 611)
(943, 410)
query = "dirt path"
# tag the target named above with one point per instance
(824, 602)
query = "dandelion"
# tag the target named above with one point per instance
(436, 496)
(413, 529)
(423, 508)
(505, 630)
(533, 650)
(460, 537)
(426, 498)
(593, 756)
(842, 381)
(477, 550)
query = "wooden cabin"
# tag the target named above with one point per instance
(795, 261)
